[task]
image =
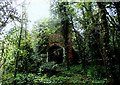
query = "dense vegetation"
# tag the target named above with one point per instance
(87, 36)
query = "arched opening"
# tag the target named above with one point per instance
(55, 53)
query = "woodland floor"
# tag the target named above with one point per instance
(58, 74)
(76, 75)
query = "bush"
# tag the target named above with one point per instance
(7, 79)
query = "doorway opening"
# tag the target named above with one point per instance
(55, 53)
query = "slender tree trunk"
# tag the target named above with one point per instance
(117, 6)
(111, 75)
(105, 31)
(26, 57)
(2, 54)
(2, 49)
(65, 30)
(79, 42)
(70, 52)
(105, 38)
(17, 54)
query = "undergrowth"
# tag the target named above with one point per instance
(75, 75)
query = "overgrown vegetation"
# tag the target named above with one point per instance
(79, 43)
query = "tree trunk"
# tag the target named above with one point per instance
(65, 30)
(70, 53)
(117, 6)
(105, 52)
(17, 54)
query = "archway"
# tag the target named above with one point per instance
(55, 53)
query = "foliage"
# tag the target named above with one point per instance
(8, 13)
(95, 37)
(25, 61)
(7, 79)
(76, 75)
(40, 35)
